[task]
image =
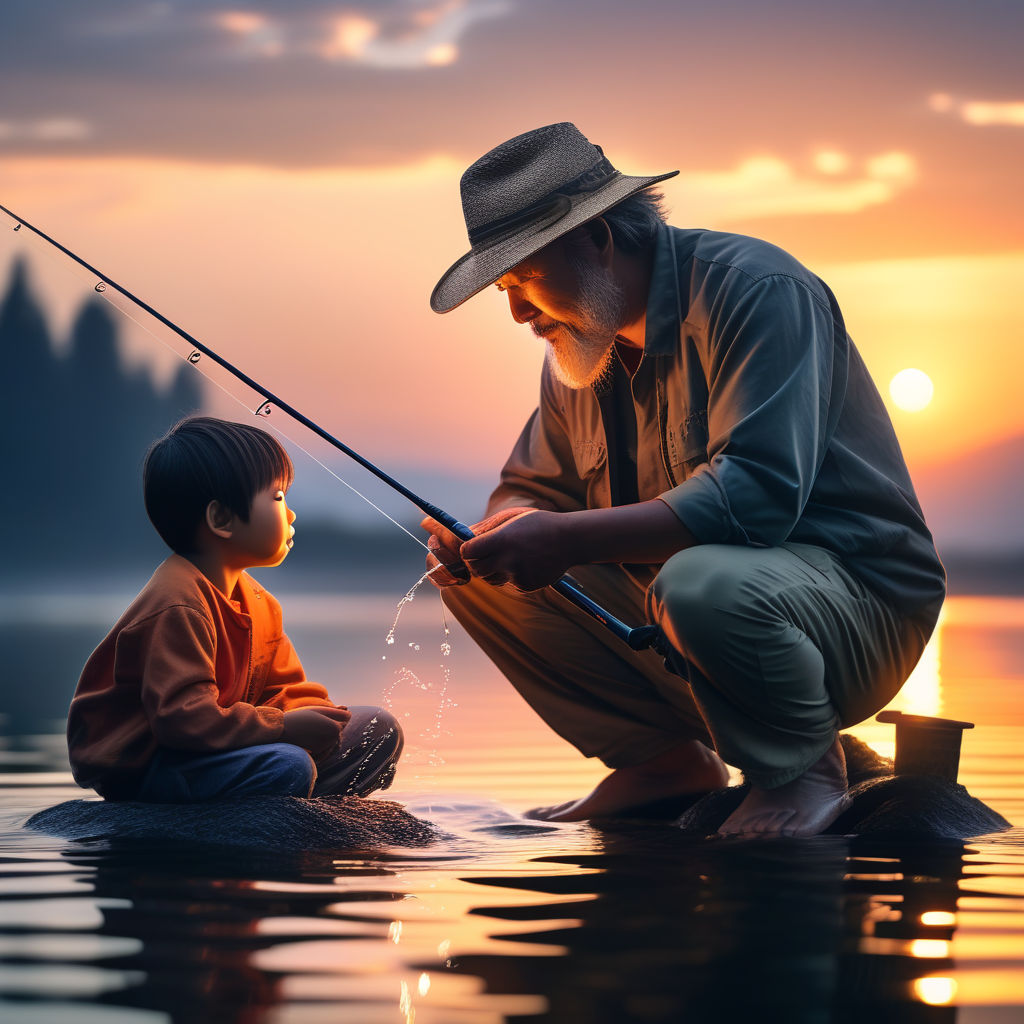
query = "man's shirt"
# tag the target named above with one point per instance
(756, 421)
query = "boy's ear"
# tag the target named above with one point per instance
(220, 519)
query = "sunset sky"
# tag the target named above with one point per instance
(281, 179)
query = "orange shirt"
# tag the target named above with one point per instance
(188, 669)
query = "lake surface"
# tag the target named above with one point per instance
(508, 919)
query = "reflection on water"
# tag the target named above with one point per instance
(514, 920)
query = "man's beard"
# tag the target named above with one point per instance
(581, 356)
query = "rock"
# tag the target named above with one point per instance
(272, 823)
(882, 804)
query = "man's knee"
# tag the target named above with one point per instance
(699, 593)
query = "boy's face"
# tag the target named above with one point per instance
(267, 538)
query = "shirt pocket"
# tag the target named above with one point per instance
(688, 442)
(590, 457)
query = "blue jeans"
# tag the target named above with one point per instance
(365, 761)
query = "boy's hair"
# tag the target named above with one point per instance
(202, 459)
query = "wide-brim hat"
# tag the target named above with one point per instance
(524, 194)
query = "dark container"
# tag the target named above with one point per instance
(925, 745)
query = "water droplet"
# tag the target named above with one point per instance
(194, 357)
(383, 657)
(101, 287)
(17, 227)
(389, 640)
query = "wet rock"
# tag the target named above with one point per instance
(278, 823)
(905, 806)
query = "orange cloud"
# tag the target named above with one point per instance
(980, 112)
(768, 186)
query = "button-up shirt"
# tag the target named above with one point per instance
(756, 420)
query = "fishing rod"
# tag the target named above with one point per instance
(636, 637)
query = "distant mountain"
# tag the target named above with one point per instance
(974, 504)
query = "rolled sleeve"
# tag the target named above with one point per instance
(770, 366)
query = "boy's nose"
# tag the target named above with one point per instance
(291, 516)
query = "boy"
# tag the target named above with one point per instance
(196, 693)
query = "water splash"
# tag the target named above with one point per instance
(408, 688)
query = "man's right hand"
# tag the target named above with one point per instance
(312, 730)
(444, 563)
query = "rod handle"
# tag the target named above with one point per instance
(638, 638)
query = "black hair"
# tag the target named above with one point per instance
(635, 221)
(202, 459)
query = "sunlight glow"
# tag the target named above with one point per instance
(929, 949)
(911, 390)
(831, 161)
(938, 917)
(935, 991)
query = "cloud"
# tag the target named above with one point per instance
(405, 36)
(981, 113)
(46, 129)
(769, 186)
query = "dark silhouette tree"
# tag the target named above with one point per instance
(76, 430)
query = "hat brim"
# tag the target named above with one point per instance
(485, 264)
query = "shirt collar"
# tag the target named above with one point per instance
(664, 309)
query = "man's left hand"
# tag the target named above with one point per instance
(526, 547)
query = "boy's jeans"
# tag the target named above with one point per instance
(371, 743)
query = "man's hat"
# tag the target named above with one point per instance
(524, 194)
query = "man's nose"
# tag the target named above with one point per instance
(522, 311)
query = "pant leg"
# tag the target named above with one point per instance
(780, 647)
(610, 702)
(269, 769)
(371, 744)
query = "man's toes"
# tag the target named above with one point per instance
(553, 813)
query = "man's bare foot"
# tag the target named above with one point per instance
(806, 806)
(690, 768)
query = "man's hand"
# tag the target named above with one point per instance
(317, 730)
(521, 546)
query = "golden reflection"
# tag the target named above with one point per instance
(405, 1004)
(929, 949)
(423, 986)
(922, 692)
(395, 932)
(938, 917)
(935, 991)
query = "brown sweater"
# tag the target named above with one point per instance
(188, 669)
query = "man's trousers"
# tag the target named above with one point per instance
(772, 650)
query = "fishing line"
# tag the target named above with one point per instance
(73, 270)
(637, 638)
(273, 426)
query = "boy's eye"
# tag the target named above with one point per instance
(279, 496)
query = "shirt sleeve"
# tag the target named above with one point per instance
(179, 688)
(540, 471)
(774, 392)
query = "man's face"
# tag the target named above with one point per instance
(571, 301)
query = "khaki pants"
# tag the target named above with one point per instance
(772, 650)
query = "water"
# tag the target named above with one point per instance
(510, 919)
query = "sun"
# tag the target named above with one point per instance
(911, 390)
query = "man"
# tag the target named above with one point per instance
(709, 452)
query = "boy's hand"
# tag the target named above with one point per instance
(336, 713)
(308, 728)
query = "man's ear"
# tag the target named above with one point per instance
(601, 236)
(220, 519)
